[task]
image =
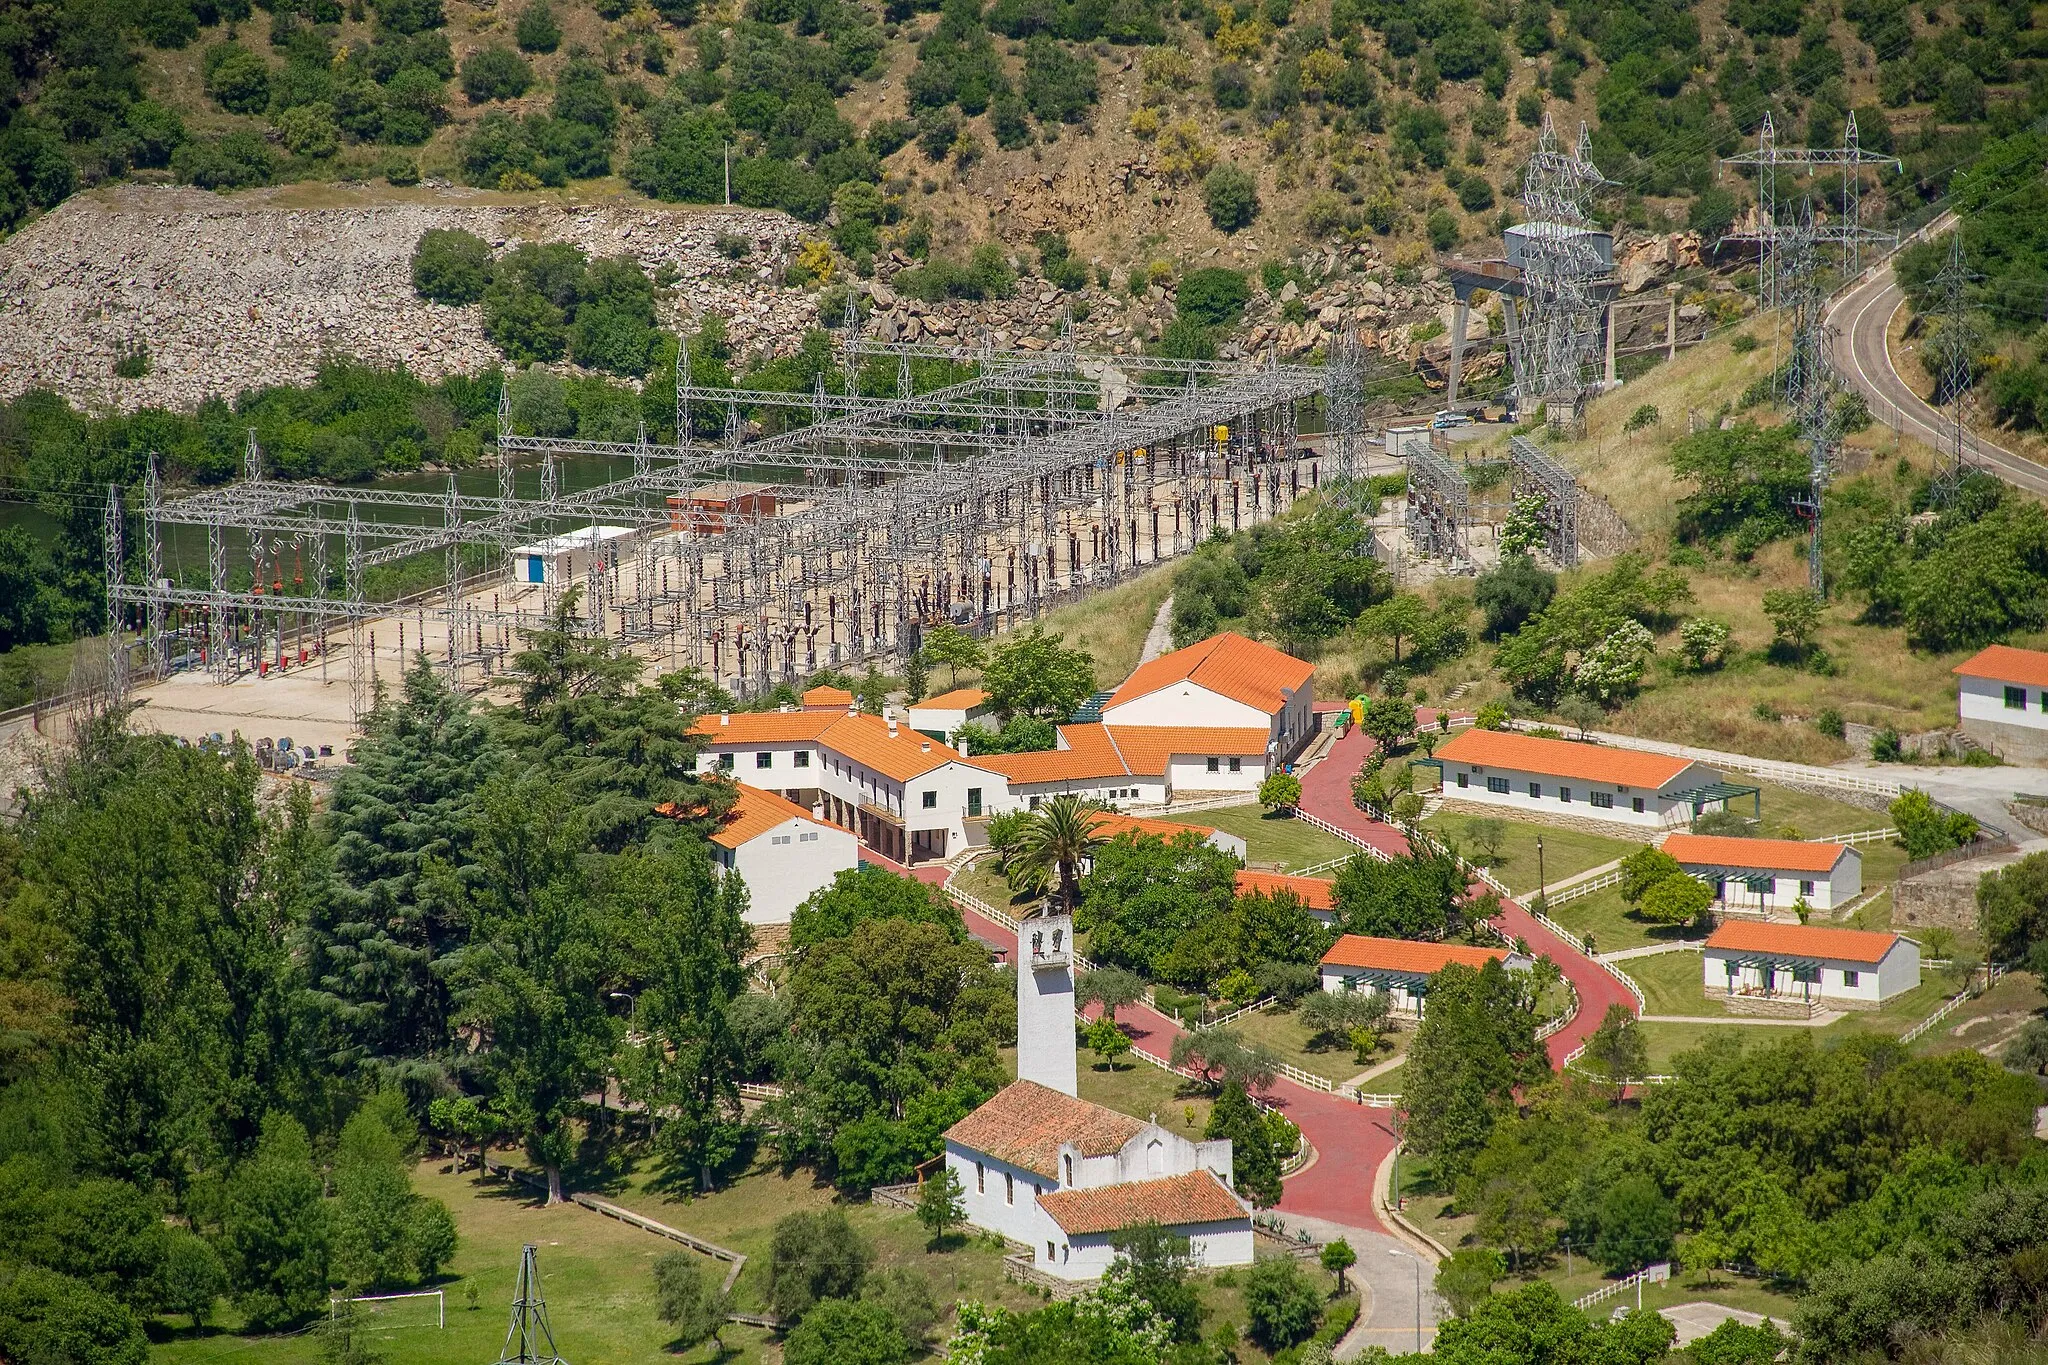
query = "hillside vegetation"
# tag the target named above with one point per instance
(1140, 127)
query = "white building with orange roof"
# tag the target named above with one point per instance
(1111, 824)
(1809, 963)
(782, 852)
(1318, 895)
(942, 716)
(1223, 683)
(1141, 765)
(2002, 700)
(1062, 1175)
(1770, 874)
(1402, 967)
(909, 798)
(823, 698)
(1514, 773)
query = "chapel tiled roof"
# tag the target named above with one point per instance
(1024, 1124)
(1171, 1201)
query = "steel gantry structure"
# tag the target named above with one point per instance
(878, 508)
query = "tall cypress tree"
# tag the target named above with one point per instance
(379, 932)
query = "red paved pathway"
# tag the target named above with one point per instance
(1326, 794)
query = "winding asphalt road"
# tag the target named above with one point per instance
(1862, 318)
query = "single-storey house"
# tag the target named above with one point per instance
(1402, 967)
(1063, 1175)
(1109, 824)
(1770, 874)
(1847, 968)
(1318, 895)
(1514, 772)
(782, 851)
(942, 716)
(2002, 700)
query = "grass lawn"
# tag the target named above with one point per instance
(981, 880)
(1793, 814)
(1572, 1274)
(1273, 841)
(1283, 1031)
(1672, 984)
(1614, 924)
(1112, 625)
(1566, 852)
(1988, 1022)
(1145, 1091)
(597, 1275)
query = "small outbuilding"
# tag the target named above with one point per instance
(1509, 772)
(2002, 700)
(1770, 874)
(782, 851)
(941, 717)
(1809, 963)
(1402, 967)
(562, 561)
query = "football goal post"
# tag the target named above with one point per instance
(390, 1312)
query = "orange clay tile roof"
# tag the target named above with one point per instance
(1024, 1124)
(1562, 758)
(819, 698)
(1148, 748)
(959, 699)
(1317, 893)
(2003, 663)
(1109, 824)
(754, 812)
(1718, 850)
(1228, 665)
(864, 739)
(1089, 754)
(1406, 955)
(1802, 940)
(764, 727)
(1175, 1201)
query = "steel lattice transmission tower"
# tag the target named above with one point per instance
(1810, 378)
(1952, 455)
(1561, 263)
(1769, 234)
(529, 1340)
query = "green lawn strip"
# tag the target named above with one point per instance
(1566, 852)
(1672, 983)
(1614, 924)
(1666, 1041)
(1283, 1031)
(1902, 1011)
(597, 1274)
(981, 880)
(1810, 814)
(1273, 840)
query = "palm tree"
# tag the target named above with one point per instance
(1060, 838)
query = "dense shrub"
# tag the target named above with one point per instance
(451, 266)
(231, 161)
(237, 79)
(1232, 197)
(1214, 296)
(537, 30)
(495, 73)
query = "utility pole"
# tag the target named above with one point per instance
(528, 1339)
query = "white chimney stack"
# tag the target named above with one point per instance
(892, 727)
(725, 717)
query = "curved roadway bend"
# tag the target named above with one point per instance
(1863, 317)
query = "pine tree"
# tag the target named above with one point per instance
(378, 938)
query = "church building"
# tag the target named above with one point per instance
(1063, 1176)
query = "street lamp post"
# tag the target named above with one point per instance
(1542, 899)
(1417, 1263)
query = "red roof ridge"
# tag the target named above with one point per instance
(1197, 1196)
(1793, 855)
(1407, 955)
(1564, 758)
(1025, 1123)
(1802, 940)
(2006, 663)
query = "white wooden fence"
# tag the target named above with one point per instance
(1659, 1273)
(1953, 1003)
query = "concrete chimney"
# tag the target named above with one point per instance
(892, 727)
(725, 717)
